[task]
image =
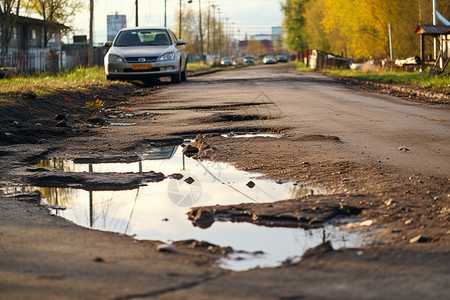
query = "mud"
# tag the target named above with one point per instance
(90, 181)
(420, 94)
(44, 256)
(309, 212)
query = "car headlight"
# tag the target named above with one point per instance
(115, 58)
(167, 56)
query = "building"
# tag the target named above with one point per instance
(35, 45)
(255, 47)
(276, 38)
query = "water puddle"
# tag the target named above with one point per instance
(252, 135)
(158, 210)
(122, 124)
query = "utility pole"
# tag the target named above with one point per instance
(200, 26)
(391, 54)
(165, 13)
(137, 14)
(209, 18)
(179, 31)
(91, 33)
(220, 34)
(238, 48)
(434, 23)
(226, 37)
(214, 30)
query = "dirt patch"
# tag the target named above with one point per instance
(420, 94)
(61, 114)
(309, 212)
(91, 181)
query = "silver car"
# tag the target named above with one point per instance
(146, 53)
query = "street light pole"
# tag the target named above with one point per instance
(165, 13)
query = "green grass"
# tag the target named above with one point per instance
(301, 66)
(414, 78)
(44, 83)
(198, 66)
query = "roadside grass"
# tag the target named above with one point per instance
(198, 66)
(421, 79)
(201, 66)
(46, 83)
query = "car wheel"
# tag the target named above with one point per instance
(176, 78)
(184, 74)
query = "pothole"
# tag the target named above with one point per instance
(157, 209)
(223, 107)
(234, 131)
(235, 118)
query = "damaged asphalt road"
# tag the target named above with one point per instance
(380, 158)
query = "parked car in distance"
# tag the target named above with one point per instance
(269, 59)
(145, 53)
(282, 58)
(249, 60)
(226, 61)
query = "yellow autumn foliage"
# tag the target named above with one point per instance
(359, 28)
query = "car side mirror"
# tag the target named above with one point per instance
(107, 44)
(181, 42)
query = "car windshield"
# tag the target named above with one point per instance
(142, 38)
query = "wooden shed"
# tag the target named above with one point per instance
(440, 32)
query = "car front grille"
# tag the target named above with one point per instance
(136, 59)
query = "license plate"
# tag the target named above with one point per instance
(142, 67)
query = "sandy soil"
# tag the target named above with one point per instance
(382, 158)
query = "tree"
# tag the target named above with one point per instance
(255, 47)
(359, 28)
(314, 15)
(189, 27)
(294, 21)
(9, 11)
(53, 11)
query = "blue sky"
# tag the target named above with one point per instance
(249, 16)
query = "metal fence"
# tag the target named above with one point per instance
(34, 61)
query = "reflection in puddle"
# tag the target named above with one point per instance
(122, 124)
(251, 135)
(158, 211)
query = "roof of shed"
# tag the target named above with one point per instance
(432, 30)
